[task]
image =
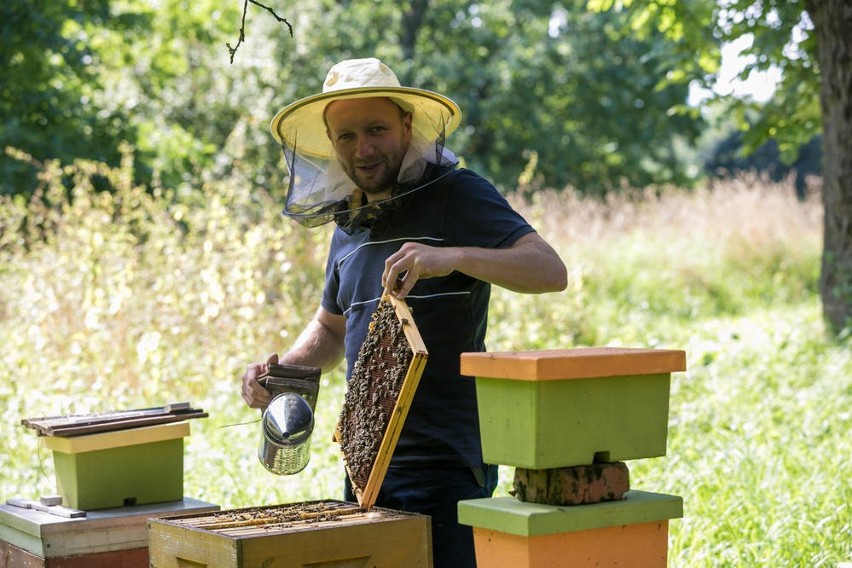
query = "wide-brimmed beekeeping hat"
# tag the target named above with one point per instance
(300, 125)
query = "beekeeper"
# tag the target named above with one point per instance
(369, 155)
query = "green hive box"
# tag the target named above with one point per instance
(120, 469)
(508, 515)
(561, 408)
(630, 532)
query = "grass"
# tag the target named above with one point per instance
(137, 298)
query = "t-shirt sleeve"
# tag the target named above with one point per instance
(332, 284)
(478, 215)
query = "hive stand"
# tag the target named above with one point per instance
(112, 482)
(542, 410)
(108, 538)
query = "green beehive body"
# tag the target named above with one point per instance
(121, 477)
(553, 409)
(543, 425)
(120, 469)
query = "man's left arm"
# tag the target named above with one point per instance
(530, 265)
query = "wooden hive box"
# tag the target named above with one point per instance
(120, 468)
(560, 408)
(316, 534)
(630, 532)
(109, 538)
(118, 458)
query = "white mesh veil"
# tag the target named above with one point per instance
(320, 191)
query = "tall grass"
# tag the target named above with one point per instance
(138, 298)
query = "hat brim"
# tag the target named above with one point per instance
(300, 124)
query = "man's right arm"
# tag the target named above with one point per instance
(319, 345)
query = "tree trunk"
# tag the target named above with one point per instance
(832, 21)
(412, 21)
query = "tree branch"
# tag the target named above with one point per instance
(233, 50)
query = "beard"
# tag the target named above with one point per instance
(374, 179)
(379, 175)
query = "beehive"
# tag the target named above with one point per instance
(378, 396)
(630, 532)
(121, 468)
(560, 408)
(108, 538)
(118, 458)
(315, 533)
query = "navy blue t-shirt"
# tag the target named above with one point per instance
(462, 209)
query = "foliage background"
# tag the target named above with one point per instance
(555, 93)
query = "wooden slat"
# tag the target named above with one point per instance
(117, 438)
(269, 522)
(412, 334)
(272, 516)
(124, 424)
(81, 424)
(97, 417)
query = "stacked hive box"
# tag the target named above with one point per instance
(121, 468)
(547, 410)
(114, 471)
(106, 538)
(118, 458)
(327, 534)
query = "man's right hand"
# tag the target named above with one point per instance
(255, 395)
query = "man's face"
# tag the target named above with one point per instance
(370, 137)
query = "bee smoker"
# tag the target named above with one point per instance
(288, 421)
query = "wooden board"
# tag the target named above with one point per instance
(111, 421)
(272, 519)
(578, 363)
(117, 438)
(379, 394)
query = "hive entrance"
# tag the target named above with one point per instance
(379, 393)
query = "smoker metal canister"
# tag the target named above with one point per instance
(287, 425)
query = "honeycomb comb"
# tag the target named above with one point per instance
(379, 393)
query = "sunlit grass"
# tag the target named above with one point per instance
(129, 300)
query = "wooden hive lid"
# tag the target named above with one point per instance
(580, 363)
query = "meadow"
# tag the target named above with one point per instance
(141, 297)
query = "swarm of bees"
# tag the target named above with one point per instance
(374, 386)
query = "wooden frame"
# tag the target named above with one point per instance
(367, 494)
